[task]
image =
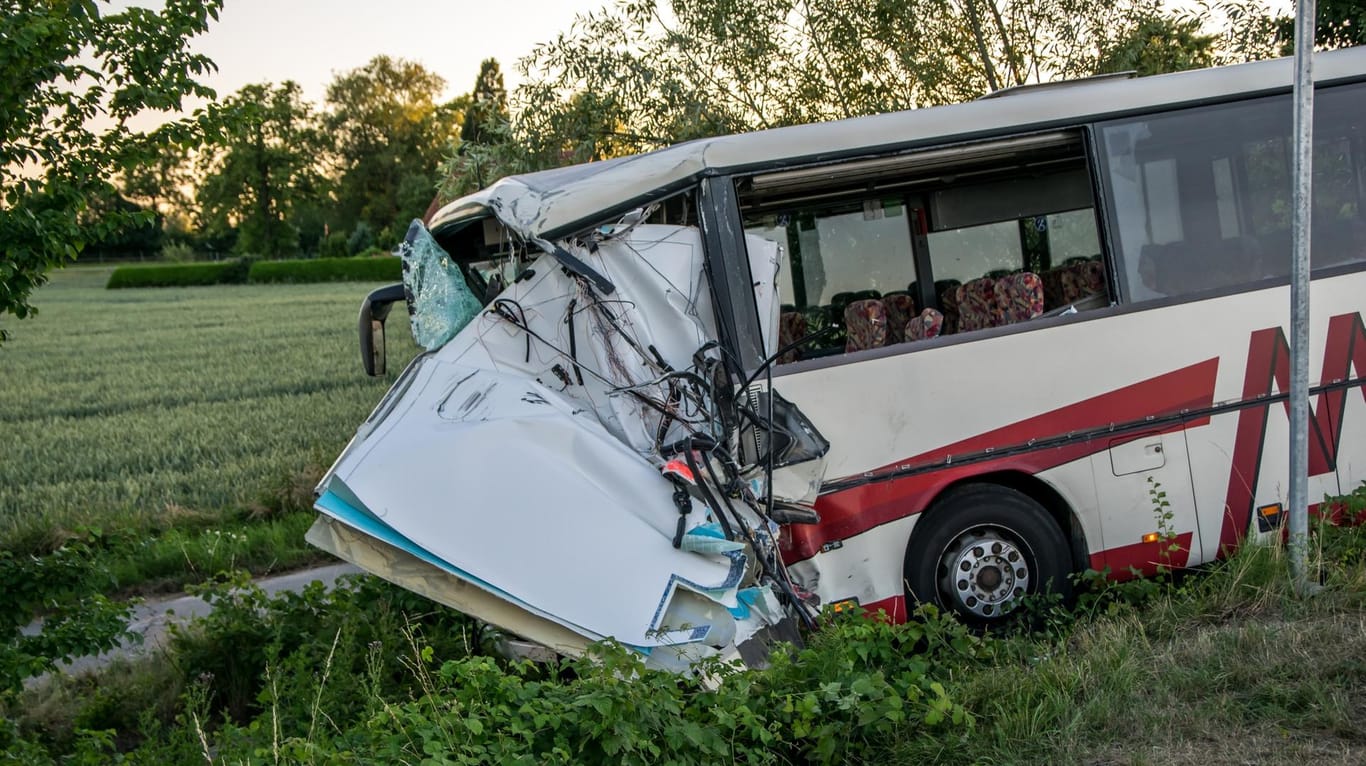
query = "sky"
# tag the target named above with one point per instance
(311, 41)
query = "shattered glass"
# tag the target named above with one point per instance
(440, 304)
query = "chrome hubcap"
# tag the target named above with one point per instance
(984, 573)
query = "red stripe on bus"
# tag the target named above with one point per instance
(850, 512)
(1127, 561)
(894, 608)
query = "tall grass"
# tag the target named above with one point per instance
(1227, 666)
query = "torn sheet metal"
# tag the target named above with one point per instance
(523, 459)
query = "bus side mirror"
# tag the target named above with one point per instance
(373, 311)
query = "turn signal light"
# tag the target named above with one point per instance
(1269, 517)
(846, 605)
(1151, 537)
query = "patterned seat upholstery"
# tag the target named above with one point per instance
(1054, 289)
(1074, 280)
(947, 290)
(929, 324)
(1019, 297)
(791, 328)
(900, 309)
(1091, 277)
(977, 307)
(865, 323)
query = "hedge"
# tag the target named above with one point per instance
(380, 269)
(179, 274)
(377, 269)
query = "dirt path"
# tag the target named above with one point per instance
(153, 617)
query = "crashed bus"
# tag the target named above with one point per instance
(689, 398)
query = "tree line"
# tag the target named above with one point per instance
(263, 172)
(273, 175)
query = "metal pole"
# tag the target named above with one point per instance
(1299, 296)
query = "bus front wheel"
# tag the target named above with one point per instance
(982, 548)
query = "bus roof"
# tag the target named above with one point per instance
(554, 203)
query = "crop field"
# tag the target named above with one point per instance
(130, 409)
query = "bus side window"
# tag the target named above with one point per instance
(845, 269)
(1201, 197)
(955, 239)
(1018, 246)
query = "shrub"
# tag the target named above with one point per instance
(179, 274)
(361, 237)
(328, 270)
(333, 245)
(177, 252)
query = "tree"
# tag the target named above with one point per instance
(647, 73)
(488, 103)
(141, 237)
(161, 184)
(266, 167)
(1338, 24)
(72, 81)
(388, 128)
(1160, 44)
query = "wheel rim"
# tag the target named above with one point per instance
(984, 572)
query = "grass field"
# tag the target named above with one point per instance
(142, 410)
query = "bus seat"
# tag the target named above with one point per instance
(900, 309)
(947, 291)
(1054, 291)
(1160, 267)
(929, 324)
(977, 307)
(1339, 242)
(840, 300)
(791, 328)
(1184, 267)
(865, 324)
(1019, 297)
(1092, 277)
(1082, 279)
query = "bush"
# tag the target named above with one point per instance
(333, 245)
(371, 252)
(180, 274)
(361, 237)
(328, 270)
(177, 252)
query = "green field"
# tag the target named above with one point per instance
(137, 409)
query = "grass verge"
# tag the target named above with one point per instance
(1222, 667)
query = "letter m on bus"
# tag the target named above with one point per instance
(1267, 381)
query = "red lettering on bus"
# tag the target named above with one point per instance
(1268, 372)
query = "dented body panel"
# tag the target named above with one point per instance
(522, 458)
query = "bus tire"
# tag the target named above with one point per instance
(980, 548)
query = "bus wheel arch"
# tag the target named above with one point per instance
(982, 544)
